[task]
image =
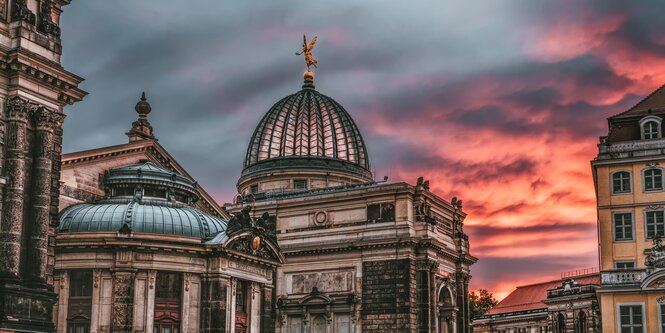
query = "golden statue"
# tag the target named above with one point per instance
(307, 51)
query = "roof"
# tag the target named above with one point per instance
(653, 102)
(147, 218)
(530, 297)
(155, 152)
(307, 129)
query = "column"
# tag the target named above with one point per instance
(18, 110)
(123, 297)
(433, 299)
(63, 298)
(462, 284)
(40, 216)
(268, 315)
(150, 303)
(214, 301)
(255, 307)
(96, 300)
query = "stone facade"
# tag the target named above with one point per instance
(35, 90)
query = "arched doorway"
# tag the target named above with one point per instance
(580, 323)
(560, 325)
(446, 311)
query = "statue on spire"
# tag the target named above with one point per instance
(307, 51)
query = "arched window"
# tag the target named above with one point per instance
(651, 130)
(653, 180)
(580, 323)
(621, 182)
(560, 324)
(80, 301)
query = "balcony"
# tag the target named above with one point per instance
(623, 277)
(628, 149)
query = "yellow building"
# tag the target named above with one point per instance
(628, 178)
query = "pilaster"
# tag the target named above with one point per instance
(123, 301)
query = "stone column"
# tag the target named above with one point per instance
(268, 315)
(96, 300)
(462, 284)
(123, 297)
(45, 122)
(214, 304)
(433, 299)
(18, 110)
(63, 302)
(150, 303)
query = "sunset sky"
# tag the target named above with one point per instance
(499, 103)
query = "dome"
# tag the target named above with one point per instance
(144, 198)
(139, 217)
(307, 130)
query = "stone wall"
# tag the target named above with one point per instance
(388, 296)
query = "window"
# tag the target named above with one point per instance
(662, 317)
(168, 290)
(650, 129)
(254, 189)
(630, 319)
(80, 302)
(655, 224)
(580, 323)
(560, 324)
(653, 180)
(623, 226)
(153, 192)
(621, 182)
(624, 265)
(300, 184)
(242, 307)
(381, 212)
(124, 191)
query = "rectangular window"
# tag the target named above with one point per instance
(623, 226)
(621, 182)
(630, 319)
(254, 189)
(300, 184)
(381, 212)
(653, 180)
(655, 222)
(662, 317)
(624, 264)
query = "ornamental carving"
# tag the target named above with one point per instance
(20, 109)
(122, 302)
(656, 255)
(20, 12)
(46, 24)
(256, 233)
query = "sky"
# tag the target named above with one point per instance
(499, 103)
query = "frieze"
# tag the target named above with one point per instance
(323, 281)
(247, 268)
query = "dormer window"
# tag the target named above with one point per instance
(650, 127)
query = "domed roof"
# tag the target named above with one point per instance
(307, 130)
(148, 218)
(144, 198)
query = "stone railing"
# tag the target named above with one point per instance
(623, 277)
(631, 148)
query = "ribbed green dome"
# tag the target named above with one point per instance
(148, 218)
(144, 198)
(307, 130)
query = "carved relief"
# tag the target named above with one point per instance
(122, 308)
(96, 275)
(188, 277)
(322, 281)
(20, 12)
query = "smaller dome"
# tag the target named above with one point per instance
(144, 198)
(150, 218)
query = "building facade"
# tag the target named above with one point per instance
(559, 306)
(628, 177)
(141, 247)
(34, 89)
(360, 255)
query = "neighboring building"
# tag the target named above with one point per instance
(361, 255)
(34, 91)
(628, 177)
(559, 306)
(142, 248)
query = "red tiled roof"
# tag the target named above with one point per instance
(530, 297)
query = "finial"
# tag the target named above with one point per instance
(309, 58)
(141, 129)
(143, 107)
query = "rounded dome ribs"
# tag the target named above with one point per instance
(307, 130)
